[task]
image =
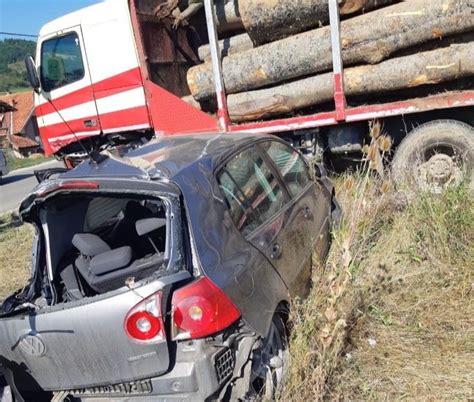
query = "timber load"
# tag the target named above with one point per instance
(282, 62)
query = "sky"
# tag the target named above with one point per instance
(28, 16)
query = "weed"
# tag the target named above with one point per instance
(390, 316)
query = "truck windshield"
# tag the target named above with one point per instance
(61, 62)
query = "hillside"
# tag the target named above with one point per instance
(12, 68)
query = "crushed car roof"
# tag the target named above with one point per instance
(168, 156)
(168, 159)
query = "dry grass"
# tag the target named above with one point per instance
(15, 254)
(391, 315)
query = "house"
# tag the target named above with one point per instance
(18, 126)
(5, 108)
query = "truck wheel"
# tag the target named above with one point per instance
(436, 155)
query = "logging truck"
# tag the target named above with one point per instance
(316, 73)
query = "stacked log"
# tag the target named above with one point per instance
(295, 69)
(232, 45)
(228, 16)
(453, 62)
(269, 20)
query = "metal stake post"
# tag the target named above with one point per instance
(338, 70)
(222, 112)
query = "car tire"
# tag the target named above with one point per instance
(435, 155)
(270, 363)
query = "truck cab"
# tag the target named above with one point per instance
(96, 85)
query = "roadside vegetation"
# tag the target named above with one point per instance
(12, 66)
(19, 163)
(15, 254)
(390, 315)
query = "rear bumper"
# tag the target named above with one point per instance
(201, 369)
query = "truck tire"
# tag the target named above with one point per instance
(436, 155)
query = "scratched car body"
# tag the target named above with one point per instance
(168, 273)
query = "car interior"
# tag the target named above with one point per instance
(98, 244)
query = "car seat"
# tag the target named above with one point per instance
(104, 268)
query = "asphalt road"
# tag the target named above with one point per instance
(17, 184)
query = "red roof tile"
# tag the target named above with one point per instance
(5, 106)
(23, 142)
(23, 103)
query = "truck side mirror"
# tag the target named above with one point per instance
(32, 74)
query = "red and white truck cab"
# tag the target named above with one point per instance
(94, 82)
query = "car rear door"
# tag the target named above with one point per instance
(310, 201)
(267, 217)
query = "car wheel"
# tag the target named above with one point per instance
(436, 155)
(270, 362)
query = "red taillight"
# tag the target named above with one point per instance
(201, 309)
(79, 185)
(70, 185)
(144, 322)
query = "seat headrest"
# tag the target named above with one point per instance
(89, 244)
(145, 226)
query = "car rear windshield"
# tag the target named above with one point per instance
(96, 244)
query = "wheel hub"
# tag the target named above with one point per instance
(440, 168)
(439, 171)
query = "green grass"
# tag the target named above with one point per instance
(15, 254)
(17, 163)
(16, 90)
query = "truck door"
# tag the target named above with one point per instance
(67, 107)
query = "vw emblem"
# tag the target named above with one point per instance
(32, 345)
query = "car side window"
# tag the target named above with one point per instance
(61, 62)
(252, 192)
(291, 166)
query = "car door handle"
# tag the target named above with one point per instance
(307, 213)
(276, 252)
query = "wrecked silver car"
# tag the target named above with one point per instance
(166, 274)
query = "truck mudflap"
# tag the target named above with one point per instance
(83, 344)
